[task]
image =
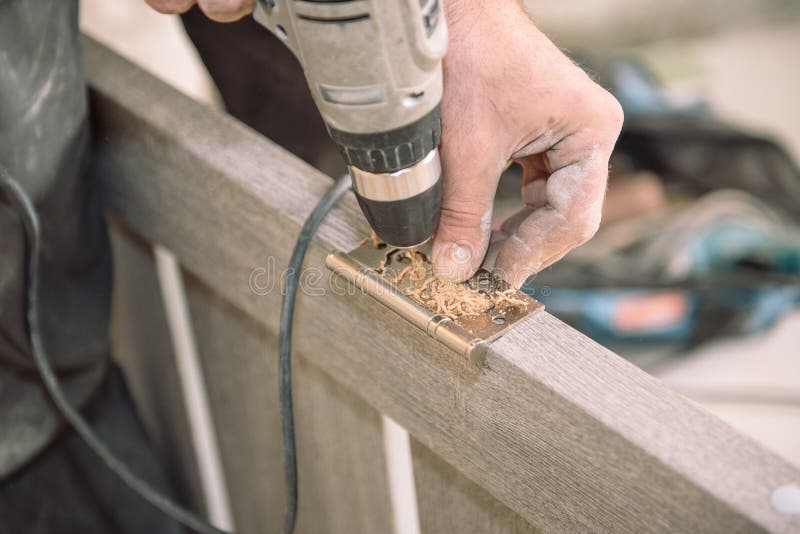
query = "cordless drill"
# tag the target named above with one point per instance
(374, 68)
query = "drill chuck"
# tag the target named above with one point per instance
(402, 206)
(397, 178)
(375, 72)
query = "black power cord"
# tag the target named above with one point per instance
(22, 204)
(285, 344)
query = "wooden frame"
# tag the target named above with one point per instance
(555, 433)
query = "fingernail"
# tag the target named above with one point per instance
(452, 261)
(460, 254)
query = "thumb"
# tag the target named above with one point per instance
(469, 183)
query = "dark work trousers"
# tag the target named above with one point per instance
(66, 489)
(50, 482)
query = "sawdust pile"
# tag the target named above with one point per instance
(481, 294)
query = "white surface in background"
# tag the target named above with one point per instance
(770, 360)
(753, 78)
(402, 491)
(193, 387)
(154, 41)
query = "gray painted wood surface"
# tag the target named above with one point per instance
(557, 428)
(450, 502)
(342, 474)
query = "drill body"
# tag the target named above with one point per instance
(374, 68)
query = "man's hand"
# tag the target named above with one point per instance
(511, 95)
(219, 10)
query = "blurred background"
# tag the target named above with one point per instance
(695, 274)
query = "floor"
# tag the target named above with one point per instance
(748, 71)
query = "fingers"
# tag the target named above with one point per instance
(564, 210)
(469, 183)
(226, 10)
(171, 7)
(219, 10)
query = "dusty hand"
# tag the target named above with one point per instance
(511, 95)
(219, 10)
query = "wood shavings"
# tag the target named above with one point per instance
(451, 299)
(419, 269)
(412, 271)
(509, 299)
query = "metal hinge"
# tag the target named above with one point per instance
(374, 269)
